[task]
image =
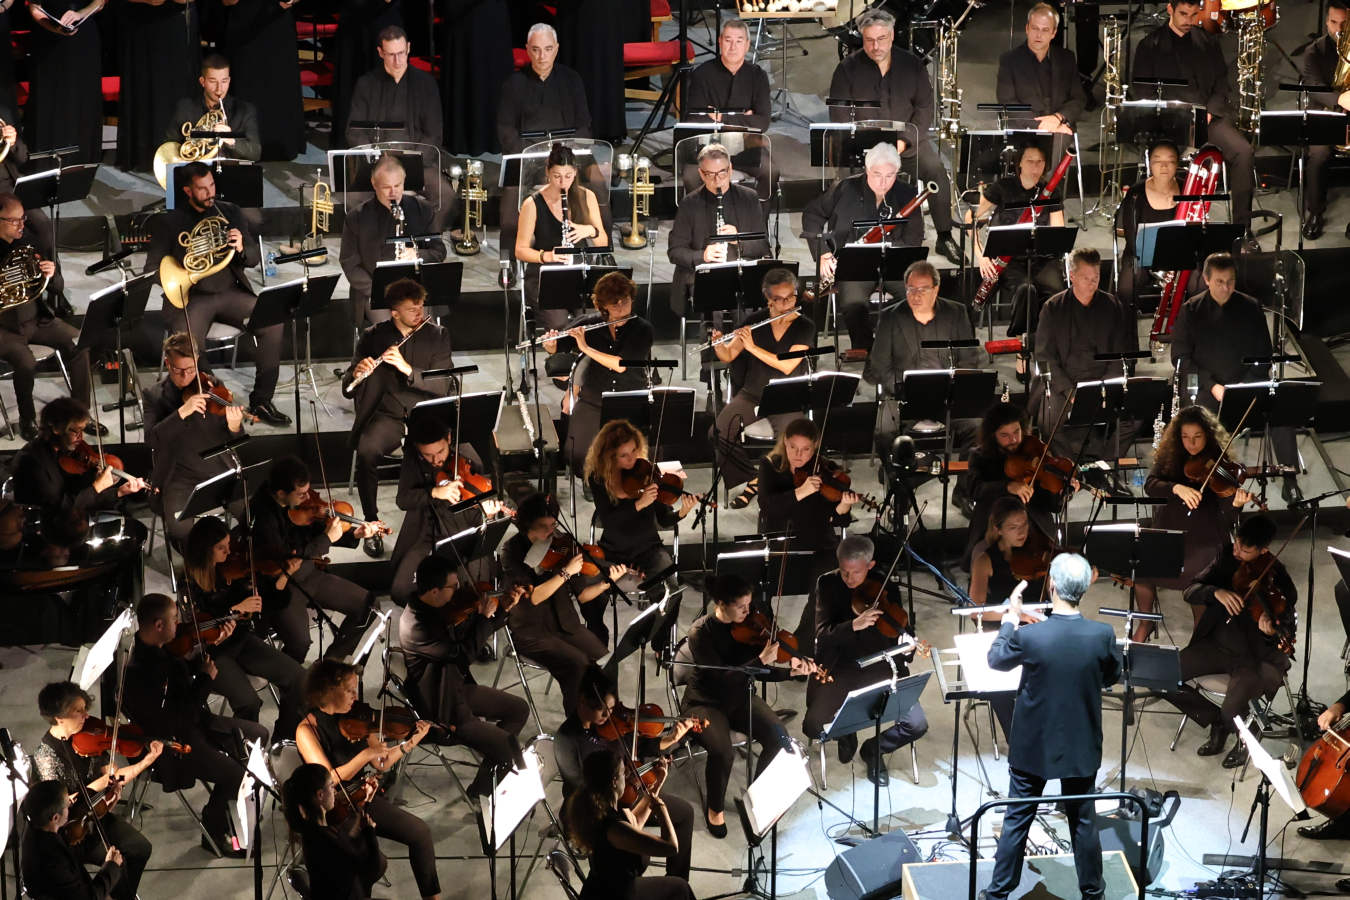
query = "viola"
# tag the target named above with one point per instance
(1255, 581)
(347, 801)
(83, 459)
(564, 548)
(1031, 561)
(669, 486)
(363, 720)
(834, 483)
(1032, 463)
(471, 483)
(640, 779)
(1321, 775)
(464, 603)
(218, 396)
(872, 594)
(758, 630)
(314, 508)
(1223, 476)
(85, 812)
(649, 720)
(95, 739)
(208, 628)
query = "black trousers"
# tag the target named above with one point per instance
(487, 720)
(405, 828)
(214, 760)
(565, 656)
(1087, 845)
(1253, 671)
(723, 715)
(329, 592)
(855, 308)
(725, 435)
(241, 657)
(135, 849)
(380, 435)
(822, 562)
(1030, 293)
(1315, 180)
(15, 350)
(932, 169)
(682, 817)
(649, 562)
(1238, 155)
(233, 308)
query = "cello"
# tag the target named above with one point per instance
(1321, 777)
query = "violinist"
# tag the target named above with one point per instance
(1337, 828)
(300, 582)
(857, 615)
(1239, 634)
(544, 625)
(182, 419)
(390, 359)
(580, 737)
(166, 696)
(330, 690)
(66, 708)
(603, 353)
(343, 860)
(52, 870)
(440, 645)
(630, 517)
(726, 699)
(1190, 444)
(241, 651)
(754, 356)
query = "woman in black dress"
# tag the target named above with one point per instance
(615, 842)
(991, 575)
(265, 71)
(1151, 200)
(159, 50)
(343, 860)
(65, 105)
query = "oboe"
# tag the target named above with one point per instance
(566, 225)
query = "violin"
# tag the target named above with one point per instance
(207, 628)
(669, 486)
(1255, 581)
(95, 739)
(1031, 561)
(1032, 463)
(640, 779)
(1223, 477)
(472, 484)
(564, 548)
(465, 601)
(348, 801)
(239, 565)
(83, 459)
(84, 812)
(393, 723)
(872, 594)
(758, 631)
(218, 396)
(314, 508)
(834, 483)
(649, 720)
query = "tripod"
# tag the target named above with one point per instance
(656, 119)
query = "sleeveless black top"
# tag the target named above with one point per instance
(1002, 580)
(547, 227)
(613, 871)
(335, 745)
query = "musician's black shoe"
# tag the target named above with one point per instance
(28, 430)
(717, 831)
(373, 546)
(876, 765)
(948, 247)
(1330, 830)
(268, 412)
(1343, 884)
(847, 747)
(1236, 757)
(1291, 492)
(1313, 226)
(96, 429)
(226, 847)
(1218, 737)
(482, 784)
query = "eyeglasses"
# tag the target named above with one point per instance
(720, 173)
(917, 291)
(186, 370)
(14, 220)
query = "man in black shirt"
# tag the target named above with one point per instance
(51, 870)
(726, 89)
(225, 296)
(1180, 50)
(1042, 75)
(898, 80)
(1319, 67)
(395, 92)
(240, 115)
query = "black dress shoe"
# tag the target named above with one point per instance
(1313, 226)
(1343, 884)
(96, 430)
(1236, 757)
(373, 546)
(1218, 737)
(876, 765)
(268, 412)
(226, 847)
(28, 430)
(717, 831)
(1291, 492)
(1330, 830)
(948, 247)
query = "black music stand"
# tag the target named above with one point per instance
(294, 302)
(569, 285)
(665, 415)
(1274, 404)
(216, 492)
(799, 393)
(843, 145)
(238, 181)
(1302, 128)
(943, 395)
(377, 129)
(52, 188)
(1029, 241)
(508, 176)
(473, 543)
(474, 422)
(735, 285)
(357, 165)
(759, 559)
(442, 280)
(1142, 122)
(109, 309)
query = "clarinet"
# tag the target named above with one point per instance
(720, 220)
(566, 241)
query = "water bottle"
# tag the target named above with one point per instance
(1137, 478)
(270, 268)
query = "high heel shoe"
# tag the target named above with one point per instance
(751, 491)
(717, 831)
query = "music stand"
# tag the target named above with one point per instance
(108, 309)
(765, 801)
(759, 560)
(1303, 129)
(799, 393)
(569, 286)
(1142, 122)
(1273, 775)
(442, 280)
(238, 181)
(52, 188)
(943, 395)
(733, 286)
(294, 302)
(665, 415)
(1178, 245)
(1274, 404)
(1113, 400)
(843, 145)
(1031, 241)
(212, 494)
(473, 417)
(356, 166)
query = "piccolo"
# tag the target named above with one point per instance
(525, 345)
(360, 378)
(730, 335)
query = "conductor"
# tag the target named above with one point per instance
(1066, 661)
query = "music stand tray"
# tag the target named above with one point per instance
(1145, 121)
(56, 185)
(1136, 399)
(799, 393)
(665, 415)
(1178, 245)
(569, 285)
(213, 493)
(292, 301)
(1303, 128)
(932, 393)
(875, 262)
(115, 306)
(1155, 667)
(1146, 554)
(238, 181)
(476, 415)
(882, 703)
(356, 165)
(760, 560)
(441, 280)
(1024, 240)
(465, 546)
(1290, 403)
(844, 144)
(735, 284)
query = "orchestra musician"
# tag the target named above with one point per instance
(439, 651)
(274, 507)
(621, 337)
(237, 115)
(365, 234)
(1337, 828)
(1215, 331)
(696, 222)
(1004, 200)
(1149, 201)
(1179, 49)
(27, 323)
(65, 61)
(51, 869)
(847, 631)
(1043, 75)
(66, 708)
(390, 360)
(754, 354)
(225, 296)
(1237, 634)
(241, 651)
(331, 691)
(875, 194)
(39, 224)
(726, 698)
(896, 78)
(343, 860)
(726, 89)
(1318, 66)
(166, 696)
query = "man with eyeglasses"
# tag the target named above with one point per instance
(691, 244)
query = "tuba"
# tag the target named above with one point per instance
(640, 185)
(21, 279)
(475, 195)
(206, 251)
(191, 149)
(321, 207)
(1201, 178)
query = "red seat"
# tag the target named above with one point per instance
(314, 75)
(418, 62)
(112, 88)
(520, 57)
(655, 53)
(21, 93)
(660, 9)
(315, 29)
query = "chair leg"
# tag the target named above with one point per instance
(351, 477)
(61, 363)
(9, 426)
(215, 848)
(1176, 737)
(914, 761)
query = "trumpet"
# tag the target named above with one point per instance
(640, 185)
(191, 149)
(321, 207)
(475, 195)
(731, 335)
(207, 251)
(525, 345)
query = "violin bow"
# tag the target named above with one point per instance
(1274, 557)
(1224, 452)
(1064, 411)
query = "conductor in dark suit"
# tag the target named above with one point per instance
(1057, 726)
(1042, 75)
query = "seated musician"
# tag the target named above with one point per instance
(364, 236)
(33, 322)
(166, 696)
(696, 221)
(899, 81)
(603, 350)
(241, 651)
(1319, 65)
(331, 691)
(1004, 200)
(237, 115)
(390, 360)
(754, 355)
(439, 650)
(1214, 332)
(875, 194)
(226, 296)
(51, 869)
(1042, 75)
(848, 629)
(580, 737)
(343, 859)
(1337, 828)
(1238, 634)
(630, 517)
(1149, 201)
(1075, 327)
(726, 699)
(66, 708)
(274, 507)
(719, 86)
(544, 624)
(39, 224)
(544, 98)
(67, 493)
(563, 213)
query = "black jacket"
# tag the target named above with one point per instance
(1212, 341)
(414, 100)
(557, 614)
(1066, 662)
(427, 518)
(897, 349)
(52, 871)
(712, 85)
(363, 241)
(40, 481)
(1019, 81)
(838, 646)
(1318, 67)
(695, 222)
(1070, 335)
(164, 242)
(439, 652)
(1196, 59)
(905, 93)
(530, 105)
(1219, 576)
(240, 115)
(850, 200)
(177, 443)
(387, 389)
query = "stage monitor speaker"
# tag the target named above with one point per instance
(873, 870)
(1121, 833)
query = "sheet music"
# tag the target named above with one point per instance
(973, 651)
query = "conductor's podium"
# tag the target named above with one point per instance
(1043, 878)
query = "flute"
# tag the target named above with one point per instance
(525, 345)
(730, 335)
(360, 378)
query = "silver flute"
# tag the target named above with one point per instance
(525, 345)
(378, 362)
(730, 335)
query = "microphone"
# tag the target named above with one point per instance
(108, 262)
